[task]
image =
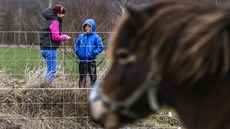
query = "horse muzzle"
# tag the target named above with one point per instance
(100, 112)
(105, 110)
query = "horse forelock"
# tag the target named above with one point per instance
(187, 40)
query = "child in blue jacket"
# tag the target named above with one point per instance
(87, 47)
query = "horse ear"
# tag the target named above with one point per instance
(135, 16)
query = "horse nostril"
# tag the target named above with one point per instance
(103, 115)
(111, 120)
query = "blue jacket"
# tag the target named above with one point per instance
(88, 45)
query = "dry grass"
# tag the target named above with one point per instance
(32, 104)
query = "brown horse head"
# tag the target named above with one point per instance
(172, 53)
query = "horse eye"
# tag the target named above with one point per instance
(125, 57)
(122, 53)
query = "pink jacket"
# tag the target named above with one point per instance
(54, 29)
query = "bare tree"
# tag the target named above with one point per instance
(26, 15)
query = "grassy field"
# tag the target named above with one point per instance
(18, 62)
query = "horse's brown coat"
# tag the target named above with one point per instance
(189, 43)
(189, 39)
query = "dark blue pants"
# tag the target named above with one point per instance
(87, 68)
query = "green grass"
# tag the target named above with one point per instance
(17, 62)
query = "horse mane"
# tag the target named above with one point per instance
(189, 40)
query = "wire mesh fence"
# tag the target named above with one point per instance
(26, 102)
